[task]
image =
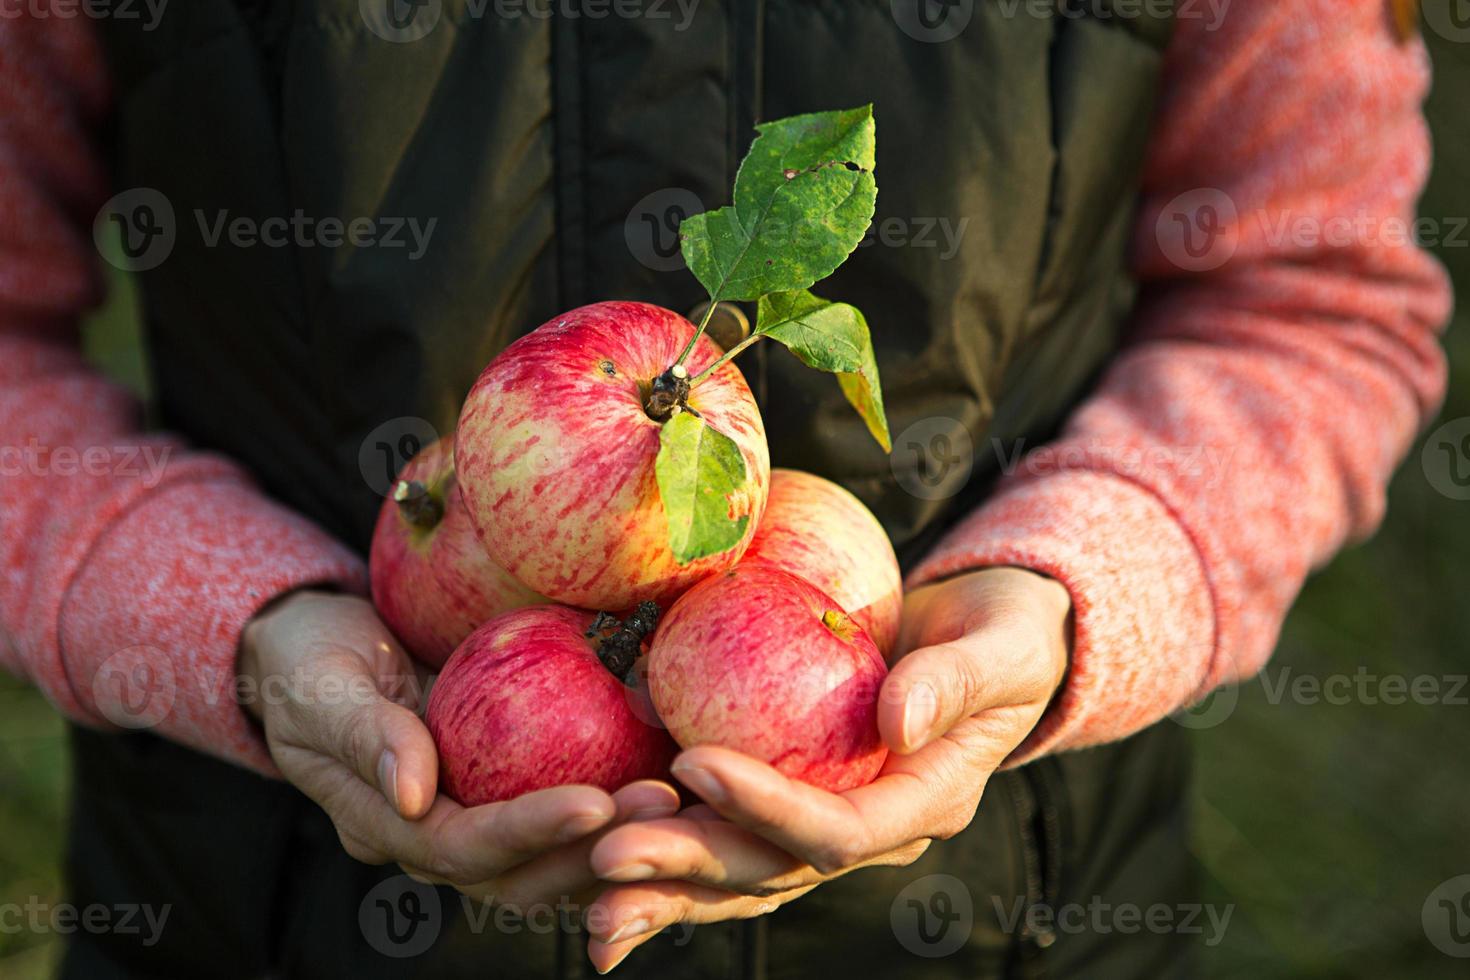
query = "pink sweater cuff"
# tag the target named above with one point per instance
(1144, 631)
(150, 625)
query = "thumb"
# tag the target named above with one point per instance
(396, 754)
(352, 719)
(935, 687)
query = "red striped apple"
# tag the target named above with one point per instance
(758, 660)
(819, 531)
(536, 698)
(432, 580)
(557, 449)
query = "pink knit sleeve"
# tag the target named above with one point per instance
(1284, 357)
(128, 565)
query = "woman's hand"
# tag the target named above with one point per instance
(987, 652)
(337, 696)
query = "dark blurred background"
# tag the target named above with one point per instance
(1327, 822)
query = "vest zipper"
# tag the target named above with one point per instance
(1038, 802)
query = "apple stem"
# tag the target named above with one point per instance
(619, 644)
(670, 393)
(729, 354)
(417, 505)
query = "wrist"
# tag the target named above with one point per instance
(254, 646)
(1054, 601)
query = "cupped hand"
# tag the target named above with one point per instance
(338, 698)
(987, 651)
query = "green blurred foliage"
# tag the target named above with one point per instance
(1325, 825)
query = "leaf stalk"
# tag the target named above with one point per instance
(729, 355)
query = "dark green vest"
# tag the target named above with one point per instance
(554, 155)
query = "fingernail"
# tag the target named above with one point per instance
(579, 826)
(388, 776)
(628, 930)
(617, 962)
(636, 871)
(919, 711)
(702, 781)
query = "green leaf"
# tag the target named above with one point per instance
(698, 470)
(804, 198)
(829, 337)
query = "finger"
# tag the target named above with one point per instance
(467, 846)
(630, 912)
(716, 853)
(647, 799)
(625, 917)
(463, 846)
(565, 870)
(913, 798)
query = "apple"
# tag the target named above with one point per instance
(536, 698)
(556, 450)
(756, 659)
(820, 532)
(432, 581)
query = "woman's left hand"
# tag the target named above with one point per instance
(988, 651)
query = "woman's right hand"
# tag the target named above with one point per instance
(338, 698)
